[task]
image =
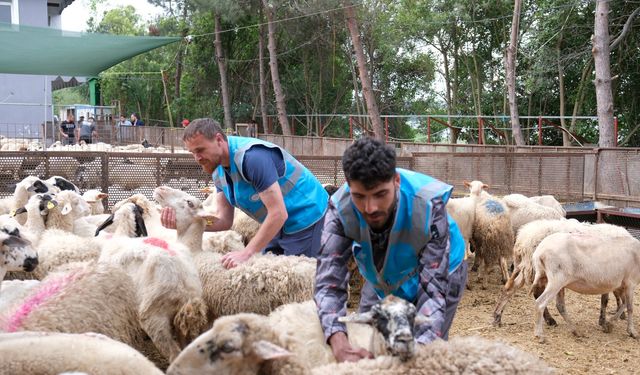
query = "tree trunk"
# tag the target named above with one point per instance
(222, 67)
(604, 96)
(178, 76)
(275, 75)
(263, 79)
(365, 79)
(566, 140)
(510, 66)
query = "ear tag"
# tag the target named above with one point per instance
(50, 205)
(12, 213)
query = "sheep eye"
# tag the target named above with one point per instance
(190, 204)
(227, 348)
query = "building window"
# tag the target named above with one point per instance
(5, 11)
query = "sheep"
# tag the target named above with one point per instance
(16, 254)
(95, 200)
(524, 210)
(259, 285)
(460, 355)
(167, 287)
(13, 291)
(63, 184)
(492, 236)
(251, 344)
(49, 353)
(549, 201)
(26, 188)
(463, 210)
(243, 224)
(529, 237)
(585, 263)
(93, 298)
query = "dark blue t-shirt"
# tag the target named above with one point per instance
(262, 167)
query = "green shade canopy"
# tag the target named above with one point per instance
(46, 51)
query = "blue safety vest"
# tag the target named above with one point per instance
(409, 235)
(304, 197)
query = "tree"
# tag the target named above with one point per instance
(601, 53)
(510, 72)
(222, 67)
(365, 79)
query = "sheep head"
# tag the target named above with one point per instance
(394, 318)
(16, 253)
(236, 344)
(187, 206)
(476, 187)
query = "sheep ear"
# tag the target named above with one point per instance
(266, 350)
(102, 196)
(361, 318)
(66, 209)
(105, 224)
(485, 186)
(466, 183)
(421, 319)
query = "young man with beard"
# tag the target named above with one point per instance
(395, 224)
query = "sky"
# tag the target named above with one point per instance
(75, 16)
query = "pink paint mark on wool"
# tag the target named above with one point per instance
(158, 242)
(43, 294)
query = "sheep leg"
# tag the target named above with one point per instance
(563, 311)
(602, 319)
(608, 325)
(619, 301)
(629, 302)
(549, 293)
(158, 327)
(483, 278)
(514, 282)
(537, 292)
(504, 267)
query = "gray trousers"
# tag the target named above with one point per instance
(457, 283)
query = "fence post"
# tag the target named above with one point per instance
(386, 129)
(350, 127)
(539, 130)
(428, 129)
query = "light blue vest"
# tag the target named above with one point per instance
(304, 197)
(409, 235)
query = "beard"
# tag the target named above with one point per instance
(208, 167)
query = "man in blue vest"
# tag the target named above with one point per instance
(395, 224)
(265, 182)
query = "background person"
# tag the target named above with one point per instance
(267, 183)
(68, 130)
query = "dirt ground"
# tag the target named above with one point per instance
(596, 353)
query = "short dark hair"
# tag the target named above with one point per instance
(369, 162)
(206, 126)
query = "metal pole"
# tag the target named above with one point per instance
(386, 129)
(539, 130)
(428, 129)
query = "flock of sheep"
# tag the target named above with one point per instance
(118, 293)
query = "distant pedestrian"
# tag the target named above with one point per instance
(135, 120)
(68, 130)
(185, 123)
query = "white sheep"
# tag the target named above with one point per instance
(167, 287)
(251, 344)
(463, 210)
(549, 201)
(492, 236)
(94, 198)
(14, 291)
(243, 224)
(587, 264)
(528, 238)
(59, 353)
(16, 254)
(26, 188)
(524, 210)
(259, 285)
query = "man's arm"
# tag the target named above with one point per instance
(276, 216)
(332, 277)
(434, 276)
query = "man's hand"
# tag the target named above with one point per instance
(343, 351)
(235, 258)
(168, 217)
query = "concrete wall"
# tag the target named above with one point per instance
(31, 92)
